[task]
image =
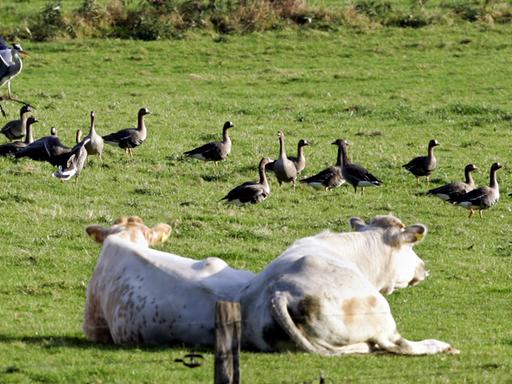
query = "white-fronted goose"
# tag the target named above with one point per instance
(216, 150)
(355, 174)
(483, 197)
(131, 137)
(330, 177)
(299, 161)
(75, 162)
(47, 148)
(452, 191)
(284, 168)
(10, 149)
(15, 129)
(95, 145)
(423, 165)
(251, 192)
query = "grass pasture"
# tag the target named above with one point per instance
(387, 91)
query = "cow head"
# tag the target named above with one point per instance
(133, 229)
(408, 269)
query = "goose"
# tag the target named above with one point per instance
(10, 149)
(355, 174)
(483, 197)
(216, 150)
(74, 163)
(251, 192)
(131, 137)
(47, 148)
(95, 145)
(284, 168)
(330, 177)
(15, 129)
(10, 64)
(299, 161)
(423, 165)
(452, 191)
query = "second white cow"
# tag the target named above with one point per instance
(139, 295)
(324, 294)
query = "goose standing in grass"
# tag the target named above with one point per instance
(74, 163)
(47, 148)
(130, 138)
(251, 192)
(216, 150)
(330, 177)
(299, 161)
(95, 145)
(10, 149)
(423, 165)
(483, 197)
(355, 174)
(15, 129)
(284, 168)
(452, 191)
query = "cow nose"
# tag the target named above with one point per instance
(420, 275)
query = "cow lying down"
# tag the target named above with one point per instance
(322, 295)
(138, 295)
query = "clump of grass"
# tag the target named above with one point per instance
(169, 19)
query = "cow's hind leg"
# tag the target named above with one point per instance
(359, 348)
(402, 346)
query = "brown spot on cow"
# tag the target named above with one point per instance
(355, 307)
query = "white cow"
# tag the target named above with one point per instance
(138, 295)
(324, 294)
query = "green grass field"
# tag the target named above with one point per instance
(388, 92)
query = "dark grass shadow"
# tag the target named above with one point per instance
(57, 341)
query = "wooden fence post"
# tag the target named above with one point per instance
(228, 337)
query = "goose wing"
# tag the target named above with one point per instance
(119, 136)
(208, 151)
(360, 175)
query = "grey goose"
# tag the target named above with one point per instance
(10, 149)
(423, 165)
(130, 138)
(95, 145)
(47, 148)
(15, 129)
(452, 191)
(284, 168)
(216, 150)
(299, 161)
(483, 197)
(330, 177)
(355, 174)
(251, 192)
(74, 163)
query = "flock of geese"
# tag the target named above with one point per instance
(71, 160)
(287, 169)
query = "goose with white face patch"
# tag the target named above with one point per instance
(216, 150)
(482, 198)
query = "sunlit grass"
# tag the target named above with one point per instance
(388, 92)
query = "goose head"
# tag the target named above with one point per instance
(144, 111)
(303, 143)
(470, 168)
(228, 124)
(433, 143)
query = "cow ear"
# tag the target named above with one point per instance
(412, 234)
(356, 224)
(97, 233)
(160, 233)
